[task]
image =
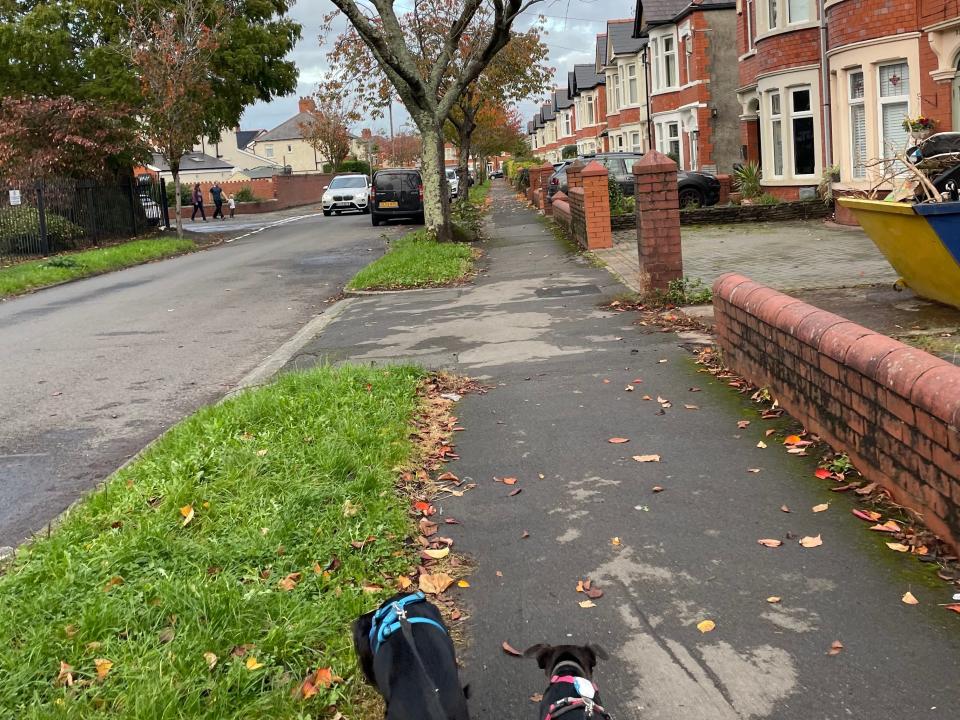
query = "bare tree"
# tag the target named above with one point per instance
(426, 77)
(170, 50)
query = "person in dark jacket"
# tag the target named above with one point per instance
(216, 192)
(198, 203)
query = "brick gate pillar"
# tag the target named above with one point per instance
(573, 175)
(596, 200)
(658, 221)
(546, 170)
(534, 175)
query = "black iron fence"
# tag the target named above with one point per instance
(50, 216)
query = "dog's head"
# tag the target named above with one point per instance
(361, 643)
(549, 656)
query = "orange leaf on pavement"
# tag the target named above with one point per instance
(811, 541)
(618, 440)
(770, 542)
(822, 473)
(436, 583)
(909, 599)
(510, 649)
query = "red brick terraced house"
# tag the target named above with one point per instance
(626, 88)
(587, 88)
(566, 120)
(691, 72)
(830, 91)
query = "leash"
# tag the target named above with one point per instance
(390, 618)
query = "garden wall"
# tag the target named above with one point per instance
(893, 409)
(276, 193)
(721, 214)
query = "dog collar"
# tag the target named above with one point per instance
(386, 620)
(586, 691)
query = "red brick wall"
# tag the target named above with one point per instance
(785, 51)
(301, 189)
(935, 98)
(893, 409)
(856, 20)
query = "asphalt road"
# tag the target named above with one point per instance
(92, 371)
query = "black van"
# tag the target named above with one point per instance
(396, 192)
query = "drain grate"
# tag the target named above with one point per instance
(568, 291)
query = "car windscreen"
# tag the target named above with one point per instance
(348, 182)
(451, 174)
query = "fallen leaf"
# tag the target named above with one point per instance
(451, 521)
(784, 508)
(792, 440)
(811, 541)
(657, 489)
(349, 509)
(113, 582)
(423, 507)
(743, 424)
(323, 677)
(868, 515)
(615, 541)
(866, 489)
(890, 527)
(252, 663)
(606, 381)
(103, 668)
(753, 470)
(289, 582)
(403, 582)
(821, 507)
(525, 535)
(462, 584)
(898, 547)
(211, 660)
(541, 476)
(448, 477)
(70, 630)
(769, 432)
(822, 473)
(536, 697)
(662, 361)
(618, 440)
(187, 512)
(646, 397)
(436, 583)
(166, 635)
(921, 550)
(510, 649)
(835, 647)
(437, 554)
(509, 481)
(842, 488)
(65, 676)
(770, 542)
(761, 444)
(261, 452)
(499, 574)
(953, 607)
(773, 599)
(580, 586)
(706, 626)
(587, 604)
(629, 388)
(694, 389)
(427, 527)
(909, 599)
(308, 689)
(594, 593)
(515, 491)
(647, 458)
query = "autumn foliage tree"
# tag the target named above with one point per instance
(428, 70)
(498, 130)
(328, 130)
(44, 137)
(171, 51)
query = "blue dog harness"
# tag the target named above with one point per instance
(387, 620)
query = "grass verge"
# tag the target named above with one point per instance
(34, 274)
(208, 578)
(416, 261)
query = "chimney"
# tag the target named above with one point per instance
(307, 104)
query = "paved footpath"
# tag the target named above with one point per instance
(532, 328)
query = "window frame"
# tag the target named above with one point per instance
(883, 101)
(590, 110)
(776, 131)
(857, 171)
(773, 15)
(659, 55)
(790, 18)
(750, 21)
(795, 114)
(633, 87)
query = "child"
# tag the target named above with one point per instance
(232, 204)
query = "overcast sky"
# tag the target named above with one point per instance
(572, 26)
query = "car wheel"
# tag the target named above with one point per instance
(690, 197)
(326, 213)
(374, 219)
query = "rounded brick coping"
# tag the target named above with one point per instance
(654, 162)
(592, 169)
(559, 196)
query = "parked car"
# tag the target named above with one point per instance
(396, 192)
(494, 174)
(697, 189)
(453, 180)
(346, 192)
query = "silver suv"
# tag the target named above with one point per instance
(346, 192)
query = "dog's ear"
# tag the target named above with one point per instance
(361, 643)
(598, 652)
(541, 652)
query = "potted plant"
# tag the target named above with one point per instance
(918, 127)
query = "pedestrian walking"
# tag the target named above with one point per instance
(198, 203)
(216, 192)
(232, 204)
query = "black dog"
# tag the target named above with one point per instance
(571, 694)
(406, 653)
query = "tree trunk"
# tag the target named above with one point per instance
(178, 203)
(463, 159)
(436, 197)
